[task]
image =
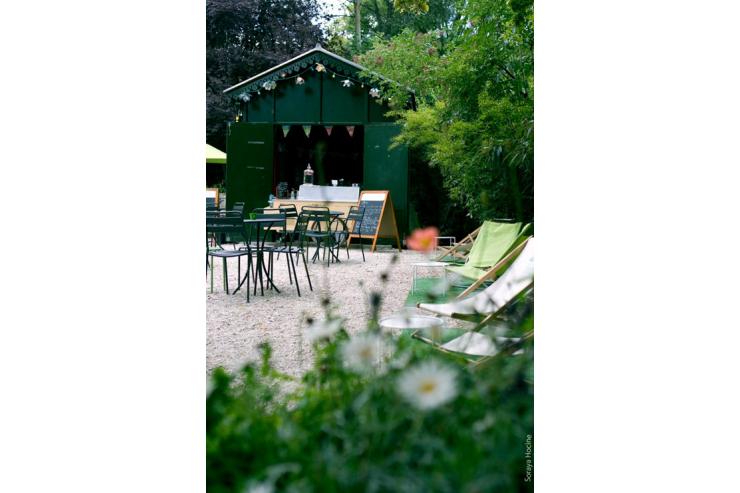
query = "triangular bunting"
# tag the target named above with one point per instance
(307, 130)
(351, 130)
(328, 129)
(286, 129)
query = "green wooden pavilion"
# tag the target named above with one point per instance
(314, 108)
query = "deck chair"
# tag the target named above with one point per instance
(459, 251)
(484, 306)
(492, 242)
(478, 348)
(489, 274)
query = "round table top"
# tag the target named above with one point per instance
(410, 322)
(430, 263)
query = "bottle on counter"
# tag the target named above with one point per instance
(292, 194)
(308, 175)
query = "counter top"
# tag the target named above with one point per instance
(328, 193)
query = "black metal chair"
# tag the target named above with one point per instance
(281, 246)
(291, 213)
(318, 229)
(356, 214)
(340, 235)
(225, 225)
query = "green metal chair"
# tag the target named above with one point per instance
(218, 225)
(356, 214)
(318, 230)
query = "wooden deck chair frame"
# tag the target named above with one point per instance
(454, 249)
(508, 349)
(418, 333)
(493, 272)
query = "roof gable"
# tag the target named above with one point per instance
(294, 67)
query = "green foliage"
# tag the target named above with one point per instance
(342, 431)
(387, 18)
(245, 37)
(413, 6)
(474, 88)
(411, 58)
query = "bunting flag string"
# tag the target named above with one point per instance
(286, 129)
(328, 129)
(307, 130)
(351, 130)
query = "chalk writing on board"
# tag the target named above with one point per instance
(371, 218)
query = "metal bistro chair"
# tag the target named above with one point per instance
(318, 230)
(291, 213)
(238, 207)
(294, 244)
(356, 214)
(227, 225)
(340, 235)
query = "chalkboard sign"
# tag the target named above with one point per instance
(379, 220)
(212, 197)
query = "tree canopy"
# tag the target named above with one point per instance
(470, 63)
(475, 119)
(245, 37)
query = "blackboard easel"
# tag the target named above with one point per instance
(379, 220)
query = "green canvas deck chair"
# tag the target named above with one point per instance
(493, 242)
(459, 251)
(485, 275)
(482, 307)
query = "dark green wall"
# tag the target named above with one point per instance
(249, 164)
(321, 100)
(387, 169)
(299, 103)
(343, 104)
(260, 108)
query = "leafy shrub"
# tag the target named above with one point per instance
(354, 423)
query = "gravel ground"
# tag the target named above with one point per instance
(235, 328)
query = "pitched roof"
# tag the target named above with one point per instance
(296, 64)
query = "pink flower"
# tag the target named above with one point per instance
(423, 240)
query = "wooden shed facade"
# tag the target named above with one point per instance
(314, 108)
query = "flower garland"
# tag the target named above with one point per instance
(270, 85)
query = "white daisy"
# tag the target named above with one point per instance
(428, 385)
(374, 92)
(322, 330)
(362, 352)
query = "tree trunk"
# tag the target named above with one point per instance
(358, 34)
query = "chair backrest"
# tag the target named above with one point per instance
(356, 214)
(515, 280)
(290, 210)
(493, 241)
(224, 224)
(238, 206)
(318, 217)
(301, 224)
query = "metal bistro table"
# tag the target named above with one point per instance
(263, 226)
(429, 264)
(333, 215)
